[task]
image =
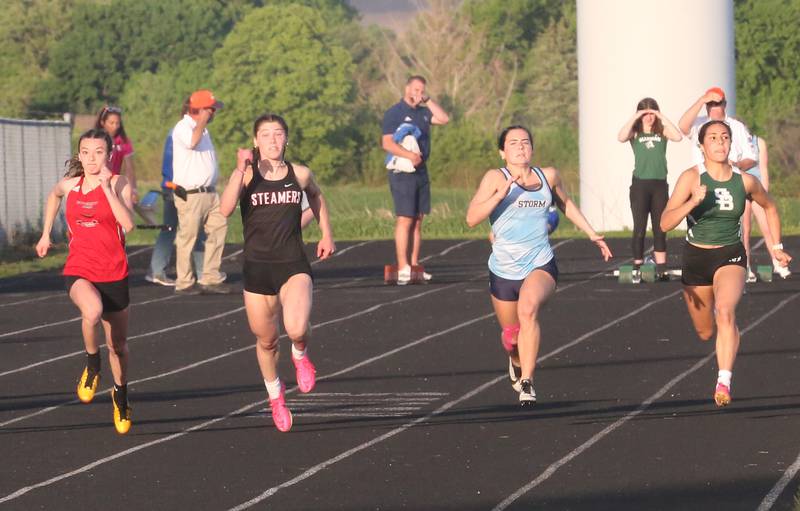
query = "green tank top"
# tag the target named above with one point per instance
(716, 221)
(650, 156)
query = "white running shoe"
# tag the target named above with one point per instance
(404, 276)
(751, 277)
(426, 276)
(527, 396)
(783, 271)
(162, 279)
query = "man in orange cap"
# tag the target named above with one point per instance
(742, 153)
(195, 174)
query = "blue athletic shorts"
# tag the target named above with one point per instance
(411, 192)
(508, 290)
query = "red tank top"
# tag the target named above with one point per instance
(96, 240)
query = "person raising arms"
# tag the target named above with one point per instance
(523, 271)
(277, 274)
(711, 196)
(648, 131)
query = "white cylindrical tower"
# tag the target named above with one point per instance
(627, 50)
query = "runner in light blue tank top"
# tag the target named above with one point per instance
(523, 272)
(519, 226)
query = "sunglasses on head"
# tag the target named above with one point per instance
(112, 109)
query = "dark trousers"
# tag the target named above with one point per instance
(648, 197)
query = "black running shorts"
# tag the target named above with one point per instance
(114, 295)
(700, 264)
(267, 278)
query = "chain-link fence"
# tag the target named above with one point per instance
(32, 156)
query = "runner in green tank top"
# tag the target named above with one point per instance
(711, 197)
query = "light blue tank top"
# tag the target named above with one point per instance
(519, 225)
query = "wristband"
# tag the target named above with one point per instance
(777, 246)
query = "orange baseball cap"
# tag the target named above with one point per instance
(718, 90)
(204, 98)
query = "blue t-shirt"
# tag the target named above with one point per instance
(166, 161)
(421, 117)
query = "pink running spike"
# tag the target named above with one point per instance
(722, 395)
(281, 415)
(305, 371)
(509, 337)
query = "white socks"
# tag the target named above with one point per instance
(724, 377)
(273, 388)
(297, 354)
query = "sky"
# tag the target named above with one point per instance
(394, 14)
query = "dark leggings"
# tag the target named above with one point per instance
(648, 196)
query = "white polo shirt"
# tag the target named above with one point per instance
(741, 141)
(196, 167)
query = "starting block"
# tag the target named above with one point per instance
(390, 274)
(764, 273)
(627, 275)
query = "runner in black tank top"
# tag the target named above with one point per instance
(277, 274)
(271, 212)
(714, 259)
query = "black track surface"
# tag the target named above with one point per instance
(411, 410)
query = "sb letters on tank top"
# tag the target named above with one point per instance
(271, 212)
(717, 220)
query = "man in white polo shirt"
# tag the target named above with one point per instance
(742, 155)
(195, 171)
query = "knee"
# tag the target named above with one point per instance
(267, 343)
(296, 332)
(528, 313)
(724, 316)
(705, 334)
(508, 336)
(118, 347)
(92, 315)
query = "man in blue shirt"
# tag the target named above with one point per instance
(411, 190)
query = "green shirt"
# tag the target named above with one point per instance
(650, 156)
(716, 220)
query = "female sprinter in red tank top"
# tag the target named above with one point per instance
(98, 213)
(277, 274)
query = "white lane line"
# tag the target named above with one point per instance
(239, 411)
(771, 497)
(621, 421)
(140, 251)
(446, 251)
(346, 454)
(313, 470)
(214, 358)
(31, 300)
(46, 325)
(170, 297)
(245, 408)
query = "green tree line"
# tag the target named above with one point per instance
(489, 63)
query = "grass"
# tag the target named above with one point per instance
(359, 213)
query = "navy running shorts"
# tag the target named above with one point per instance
(700, 264)
(411, 192)
(508, 290)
